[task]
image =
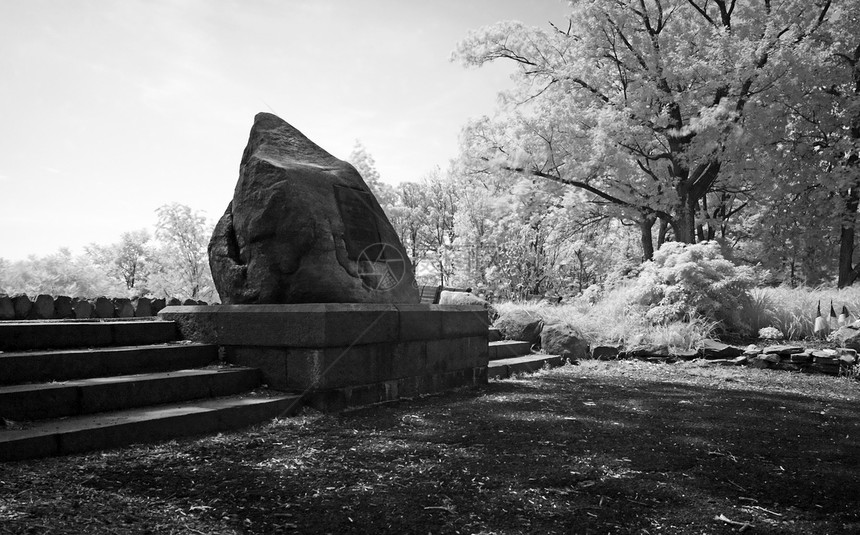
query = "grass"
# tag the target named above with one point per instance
(793, 310)
(621, 447)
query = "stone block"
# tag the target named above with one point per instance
(63, 307)
(463, 321)
(337, 367)
(301, 325)
(143, 307)
(7, 309)
(104, 308)
(271, 361)
(22, 305)
(157, 305)
(82, 309)
(123, 307)
(420, 322)
(451, 354)
(43, 308)
(410, 358)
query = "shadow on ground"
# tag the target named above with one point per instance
(563, 452)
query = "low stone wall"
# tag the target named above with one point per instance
(340, 355)
(46, 307)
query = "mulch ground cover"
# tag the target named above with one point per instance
(603, 447)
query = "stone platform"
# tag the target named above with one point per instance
(340, 355)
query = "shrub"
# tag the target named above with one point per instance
(684, 282)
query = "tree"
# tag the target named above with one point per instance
(439, 202)
(824, 122)
(364, 163)
(125, 260)
(641, 103)
(409, 219)
(183, 268)
(60, 273)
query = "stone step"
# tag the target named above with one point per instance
(39, 334)
(150, 424)
(504, 368)
(62, 365)
(505, 349)
(494, 334)
(87, 396)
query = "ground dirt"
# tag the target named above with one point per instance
(602, 447)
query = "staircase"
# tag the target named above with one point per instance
(75, 386)
(508, 357)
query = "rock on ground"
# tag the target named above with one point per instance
(564, 340)
(518, 324)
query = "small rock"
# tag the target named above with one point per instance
(759, 363)
(782, 350)
(848, 359)
(772, 357)
(800, 358)
(605, 352)
(683, 354)
(787, 366)
(711, 349)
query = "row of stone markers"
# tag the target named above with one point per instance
(46, 307)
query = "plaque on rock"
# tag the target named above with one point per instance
(361, 229)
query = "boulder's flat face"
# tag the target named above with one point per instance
(303, 227)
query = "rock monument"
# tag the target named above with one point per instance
(303, 227)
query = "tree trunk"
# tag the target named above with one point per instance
(661, 232)
(645, 226)
(847, 271)
(684, 224)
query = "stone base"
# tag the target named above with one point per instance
(340, 355)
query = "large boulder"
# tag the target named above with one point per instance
(303, 227)
(519, 324)
(564, 340)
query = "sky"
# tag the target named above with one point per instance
(112, 108)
